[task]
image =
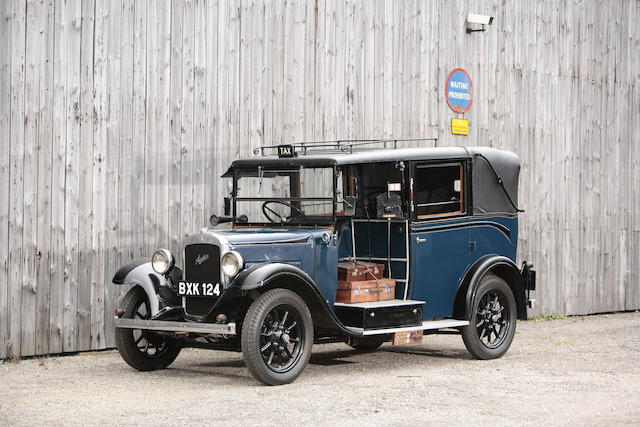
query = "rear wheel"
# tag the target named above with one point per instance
(277, 335)
(493, 322)
(142, 350)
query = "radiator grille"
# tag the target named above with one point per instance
(201, 264)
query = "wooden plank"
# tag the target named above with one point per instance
(57, 251)
(86, 256)
(309, 68)
(72, 176)
(211, 197)
(175, 150)
(185, 60)
(125, 244)
(5, 167)
(30, 181)
(138, 190)
(114, 40)
(199, 218)
(16, 183)
(99, 200)
(45, 139)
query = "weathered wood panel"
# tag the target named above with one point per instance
(117, 118)
(5, 177)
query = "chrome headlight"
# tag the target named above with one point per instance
(162, 261)
(232, 263)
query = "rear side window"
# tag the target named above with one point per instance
(438, 190)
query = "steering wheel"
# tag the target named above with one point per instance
(266, 209)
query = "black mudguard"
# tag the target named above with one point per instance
(502, 267)
(140, 273)
(270, 275)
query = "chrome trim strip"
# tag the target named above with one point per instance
(426, 325)
(504, 230)
(172, 326)
(465, 218)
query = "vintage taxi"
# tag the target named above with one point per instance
(269, 278)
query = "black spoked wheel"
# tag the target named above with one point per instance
(281, 338)
(277, 336)
(142, 350)
(493, 322)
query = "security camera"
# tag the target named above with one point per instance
(475, 19)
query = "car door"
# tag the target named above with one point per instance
(439, 237)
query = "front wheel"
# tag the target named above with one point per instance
(277, 335)
(493, 322)
(141, 349)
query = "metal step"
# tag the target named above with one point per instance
(379, 304)
(426, 325)
(173, 326)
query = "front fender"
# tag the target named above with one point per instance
(272, 275)
(140, 272)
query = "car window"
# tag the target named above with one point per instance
(438, 190)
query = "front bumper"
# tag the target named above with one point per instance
(173, 326)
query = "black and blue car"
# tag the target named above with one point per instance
(442, 221)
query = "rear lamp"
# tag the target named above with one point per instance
(162, 261)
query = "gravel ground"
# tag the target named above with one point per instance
(578, 370)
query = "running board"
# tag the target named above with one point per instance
(426, 325)
(172, 326)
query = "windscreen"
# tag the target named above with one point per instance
(291, 195)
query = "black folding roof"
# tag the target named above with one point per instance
(495, 172)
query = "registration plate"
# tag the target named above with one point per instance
(199, 289)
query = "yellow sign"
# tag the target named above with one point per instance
(459, 127)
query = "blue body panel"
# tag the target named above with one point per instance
(451, 247)
(493, 235)
(438, 262)
(301, 247)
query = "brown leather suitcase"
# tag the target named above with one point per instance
(366, 290)
(350, 271)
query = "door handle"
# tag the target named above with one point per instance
(420, 240)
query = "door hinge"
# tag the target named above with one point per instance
(473, 246)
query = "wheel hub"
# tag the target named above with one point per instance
(491, 325)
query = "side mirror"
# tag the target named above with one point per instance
(227, 206)
(350, 205)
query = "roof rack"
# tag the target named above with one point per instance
(339, 146)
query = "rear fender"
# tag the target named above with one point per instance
(500, 266)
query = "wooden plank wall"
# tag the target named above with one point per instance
(117, 118)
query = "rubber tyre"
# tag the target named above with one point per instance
(125, 342)
(368, 344)
(470, 335)
(251, 329)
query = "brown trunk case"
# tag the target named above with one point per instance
(366, 290)
(359, 271)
